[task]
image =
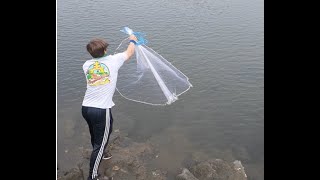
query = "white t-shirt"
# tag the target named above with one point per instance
(101, 75)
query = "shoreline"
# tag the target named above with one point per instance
(132, 160)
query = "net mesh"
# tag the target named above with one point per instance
(148, 77)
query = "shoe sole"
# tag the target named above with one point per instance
(107, 158)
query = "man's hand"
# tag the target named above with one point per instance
(130, 49)
(133, 37)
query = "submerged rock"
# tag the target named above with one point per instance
(186, 175)
(219, 169)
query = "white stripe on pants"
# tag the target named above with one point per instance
(104, 141)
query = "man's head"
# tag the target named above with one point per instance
(97, 47)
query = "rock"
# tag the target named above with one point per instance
(186, 175)
(83, 166)
(86, 153)
(131, 161)
(73, 174)
(158, 175)
(219, 169)
(115, 168)
(204, 170)
(239, 168)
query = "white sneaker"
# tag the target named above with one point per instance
(107, 156)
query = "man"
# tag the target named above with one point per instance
(101, 74)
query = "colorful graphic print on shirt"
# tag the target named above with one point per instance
(98, 74)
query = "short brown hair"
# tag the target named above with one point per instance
(96, 47)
